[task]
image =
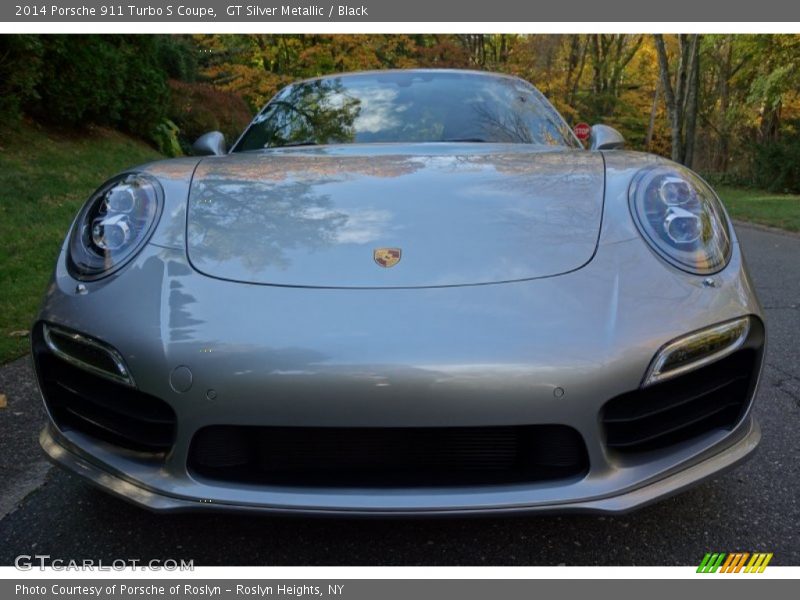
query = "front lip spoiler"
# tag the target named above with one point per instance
(626, 501)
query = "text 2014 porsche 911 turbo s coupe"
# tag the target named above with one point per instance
(401, 293)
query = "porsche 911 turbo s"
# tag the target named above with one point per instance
(401, 293)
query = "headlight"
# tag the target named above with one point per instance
(113, 225)
(681, 218)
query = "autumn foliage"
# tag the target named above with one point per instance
(728, 105)
(197, 108)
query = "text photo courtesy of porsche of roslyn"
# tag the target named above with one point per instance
(395, 299)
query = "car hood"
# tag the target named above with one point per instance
(456, 214)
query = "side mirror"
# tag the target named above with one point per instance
(210, 144)
(604, 137)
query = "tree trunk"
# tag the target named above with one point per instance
(725, 74)
(579, 47)
(681, 99)
(669, 97)
(692, 85)
(648, 140)
(770, 123)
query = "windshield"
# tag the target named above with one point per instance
(407, 106)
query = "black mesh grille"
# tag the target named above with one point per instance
(369, 457)
(710, 398)
(116, 413)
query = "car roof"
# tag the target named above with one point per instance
(416, 70)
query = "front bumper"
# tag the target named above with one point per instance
(742, 444)
(470, 357)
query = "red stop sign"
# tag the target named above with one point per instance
(582, 131)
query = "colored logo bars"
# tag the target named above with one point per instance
(734, 562)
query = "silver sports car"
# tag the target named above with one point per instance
(401, 293)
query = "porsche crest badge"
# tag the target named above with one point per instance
(387, 257)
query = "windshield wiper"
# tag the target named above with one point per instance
(295, 144)
(476, 140)
(466, 140)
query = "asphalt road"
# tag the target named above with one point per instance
(753, 508)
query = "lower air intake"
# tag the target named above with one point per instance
(81, 399)
(387, 457)
(712, 398)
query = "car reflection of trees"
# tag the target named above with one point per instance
(259, 231)
(556, 192)
(316, 112)
(182, 321)
(517, 127)
(260, 208)
(317, 165)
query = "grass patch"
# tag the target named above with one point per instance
(765, 208)
(44, 179)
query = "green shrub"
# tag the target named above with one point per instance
(178, 56)
(165, 137)
(145, 95)
(83, 78)
(113, 80)
(120, 81)
(776, 165)
(20, 72)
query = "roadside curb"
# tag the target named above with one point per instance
(765, 228)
